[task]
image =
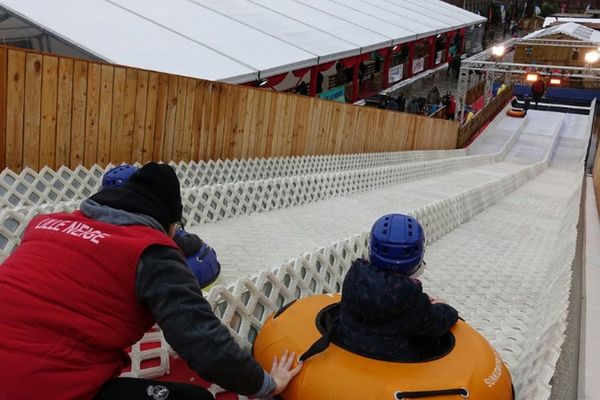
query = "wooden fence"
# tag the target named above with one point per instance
(483, 117)
(58, 111)
(442, 113)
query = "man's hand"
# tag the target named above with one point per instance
(282, 371)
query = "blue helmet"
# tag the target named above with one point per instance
(397, 244)
(117, 176)
(204, 263)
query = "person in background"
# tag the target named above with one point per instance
(456, 62)
(434, 96)
(513, 28)
(384, 313)
(537, 90)
(527, 105)
(413, 106)
(392, 104)
(83, 286)
(302, 88)
(320, 78)
(401, 100)
(450, 104)
(383, 102)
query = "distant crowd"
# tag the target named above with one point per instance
(421, 105)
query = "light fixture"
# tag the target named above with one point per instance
(498, 51)
(555, 81)
(532, 77)
(396, 47)
(261, 82)
(592, 57)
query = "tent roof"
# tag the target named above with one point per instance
(553, 20)
(572, 29)
(238, 40)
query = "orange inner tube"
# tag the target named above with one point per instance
(337, 374)
(515, 113)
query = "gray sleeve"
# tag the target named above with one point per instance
(170, 290)
(267, 387)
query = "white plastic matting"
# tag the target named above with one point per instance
(285, 233)
(535, 137)
(253, 242)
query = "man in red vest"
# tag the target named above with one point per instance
(537, 90)
(83, 286)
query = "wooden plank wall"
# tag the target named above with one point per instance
(550, 55)
(58, 111)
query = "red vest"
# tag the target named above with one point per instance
(68, 306)
(452, 106)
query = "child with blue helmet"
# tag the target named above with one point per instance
(384, 313)
(199, 256)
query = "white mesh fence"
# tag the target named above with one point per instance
(220, 172)
(221, 201)
(31, 188)
(218, 202)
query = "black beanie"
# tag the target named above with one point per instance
(159, 183)
(153, 190)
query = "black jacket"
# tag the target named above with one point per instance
(386, 315)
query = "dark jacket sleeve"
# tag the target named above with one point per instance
(431, 320)
(188, 243)
(170, 290)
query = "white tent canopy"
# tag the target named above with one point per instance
(556, 20)
(576, 31)
(238, 40)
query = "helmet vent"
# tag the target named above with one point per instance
(384, 232)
